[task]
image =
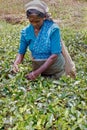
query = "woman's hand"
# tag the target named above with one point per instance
(15, 68)
(31, 76)
(18, 60)
(70, 69)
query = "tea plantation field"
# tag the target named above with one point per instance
(44, 104)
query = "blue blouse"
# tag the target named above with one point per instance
(46, 43)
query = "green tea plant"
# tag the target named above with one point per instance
(43, 104)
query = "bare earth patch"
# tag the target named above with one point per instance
(13, 19)
(71, 13)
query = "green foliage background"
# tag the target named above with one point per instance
(44, 104)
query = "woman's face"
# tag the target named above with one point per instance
(36, 21)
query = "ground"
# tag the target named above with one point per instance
(67, 13)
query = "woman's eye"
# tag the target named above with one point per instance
(34, 21)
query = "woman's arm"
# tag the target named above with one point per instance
(46, 65)
(18, 60)
(69, 64)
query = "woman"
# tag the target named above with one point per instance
(49, 54)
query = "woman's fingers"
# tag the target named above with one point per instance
(15, 68)
(30, 76)
(27, 77)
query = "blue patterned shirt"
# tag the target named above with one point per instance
(46, 43)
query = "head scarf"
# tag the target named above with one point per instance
(38, 5)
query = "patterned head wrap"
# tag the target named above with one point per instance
(37, 5)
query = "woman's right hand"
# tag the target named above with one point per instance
(15, 68)
(18, 60)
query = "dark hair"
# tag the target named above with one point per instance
(34, 11)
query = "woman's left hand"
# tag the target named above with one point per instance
(31, 76)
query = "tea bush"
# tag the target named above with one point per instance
(43, 104)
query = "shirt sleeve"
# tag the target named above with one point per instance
(23, 44)
(56, 42)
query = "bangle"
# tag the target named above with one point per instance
(33, 75)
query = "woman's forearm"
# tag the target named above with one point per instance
(46, 65)
(19, 59)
